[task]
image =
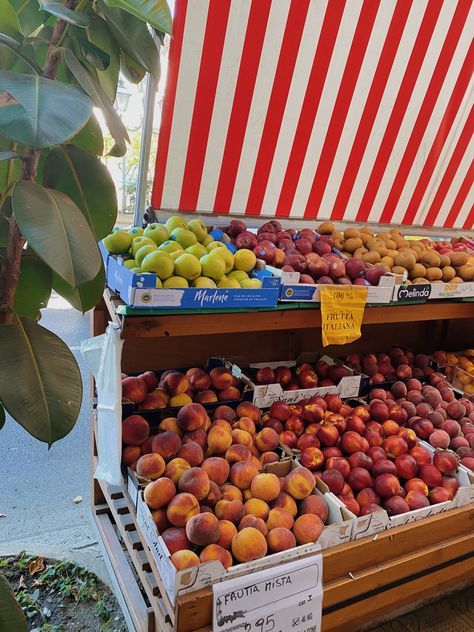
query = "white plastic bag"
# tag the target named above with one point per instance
(103, 355)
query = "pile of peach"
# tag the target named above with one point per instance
(463, 379)
(175, 389)
(303, 375)
(207, 489)
(396, 364)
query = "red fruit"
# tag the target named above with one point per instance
(416, 484)
(308, 379)
(468, 461)
(351, 503)
(334, 480)
(355, 424)
(406, 466)
(328, 434)
(332, 451)
(368, 496)
(352, 442)
(431, 475)
(440, 439)
(451, 483)
(410, 437)
(359, 478)
(334, 402)
(288, 438)
(307, 441)
(360, 459)
(265, 376)
(373, 437)
(280, 411)
(340, 464)
(379, 410)
(362, 412)
(446, 461)
(396, 505)
(414, 385)
(390, 427)
(423, 428)
(276, 425)
(377, 453)
(398, 414)
(312, 458)
(395, 446)
(384, 466)
(440, 495)
(368, 509)
(416, 500)
(386, 485)
(134, 389)
(421, 455)
(295, 424)
(452, 427)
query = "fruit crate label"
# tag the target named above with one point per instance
(282, 598)
(342, 312)
(413, 292)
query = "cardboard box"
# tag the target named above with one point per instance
(265, 394)
(433, 291)
(140, 291)
(209, 573)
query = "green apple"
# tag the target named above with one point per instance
(198, 250)
(213, 267)
(143, 252)
(137, 270)
(199, 228)
(130, 263)
(238, 275)
(171, 246)
(118, 242)
(251, 283)
(204, 282)
(136, 230)
(244, 260)
(159, 262)
(225, 254)
(187, 266)
(184, 237)
(228, 283)
(207, 240)
(176, 253)
(175, 281)
(158, 282)
(176, 221)
(215, 244)
(138, 242)
(157, 232)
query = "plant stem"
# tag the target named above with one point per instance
(10, 273)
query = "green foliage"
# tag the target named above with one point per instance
(11, 617)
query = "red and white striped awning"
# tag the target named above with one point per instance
(353, 110)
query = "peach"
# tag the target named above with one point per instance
(135, 430)
(247, 409)
(221, 378)
(396, 505)
(224, 412)
(215, 552)
(285, 501)
(394, 446)
(249, 544)
(230, 394)
(160, 519)
(368, 509)
(231, 492)
(196, 436)
(288, 438)
(452, 427)
(192, 417)
(175, 383)
(130, 454)
(269, 457)
(316, 505)
(421, 455)
(280, 411)
(253, 521)
(334, 480)
(339, 463)
(280, 539)
(351, 503)
(217, 469)
(151, 380)
(150, 466)
(360, 459)
(266, 440)
(176, 539)
(198, 379)
(181, 508)
(451, 483)
(353, 442)
(307, 528)
(245, 423)
(170, 423)
(213, 496)
(416, 484)
(203, 529)
(359, 478)
(386, 485)
(205, 397)
(146, 445)
(430, 474)
(242, 474)
(195, 481)
(159, 493)
(446, 461)
(312, 458)
(299, 483)
(176, 468)
(295, 424)
(384, 466)
(184, 559)
(265, 487)
(227, 530)
(154, 401)
(232, 510)
(367, 496)
(167, 444)
(242, 437)
(219, 439)
(279, 517)
(257, 507)
(134, 389)
(440, 495)
(416, 499)
(192, 453)
(223, 424)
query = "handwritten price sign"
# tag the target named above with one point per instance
(286, 597)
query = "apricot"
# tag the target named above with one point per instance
(280, 539)
(227, 530)
(307, 528)
(192, 417)
(150, 466)
(203, 529)
(316, 505)
(257, 507)
(249, 544)
(232, 510)
(167, 444)
(192, 453)
(242, 474)
(231, 492)
(158, 493)
(215, 552)
(181, 508)
(176, 468)
(195, 481)
(279, 517)
(176, 539)
(299, 483)
(135, 430)
(184, 559)
(219, 439)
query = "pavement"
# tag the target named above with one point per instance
(38, 486)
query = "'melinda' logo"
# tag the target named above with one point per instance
(414, 292)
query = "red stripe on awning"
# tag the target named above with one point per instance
(377, 89)
(398, 112)
(276, 107)
(317, 79)
(252, 50)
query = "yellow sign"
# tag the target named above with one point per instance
(342, 311)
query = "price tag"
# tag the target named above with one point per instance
(342, 312)
(279, 599)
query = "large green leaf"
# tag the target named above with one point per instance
(97, 94)
(98, 33)
(11, 615)
(87, 181)
(34, 287)
(9, 172)
(133, 36)
(57, 231)
(40, 381)
(28, 14)
(155, 12)
(68, 15)
(19, 51)
(95, 56)
(86, 296)
(90, 137)
(9, 23)
(132, 70)
(39, 112)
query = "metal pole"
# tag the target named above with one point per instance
(145, 145)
